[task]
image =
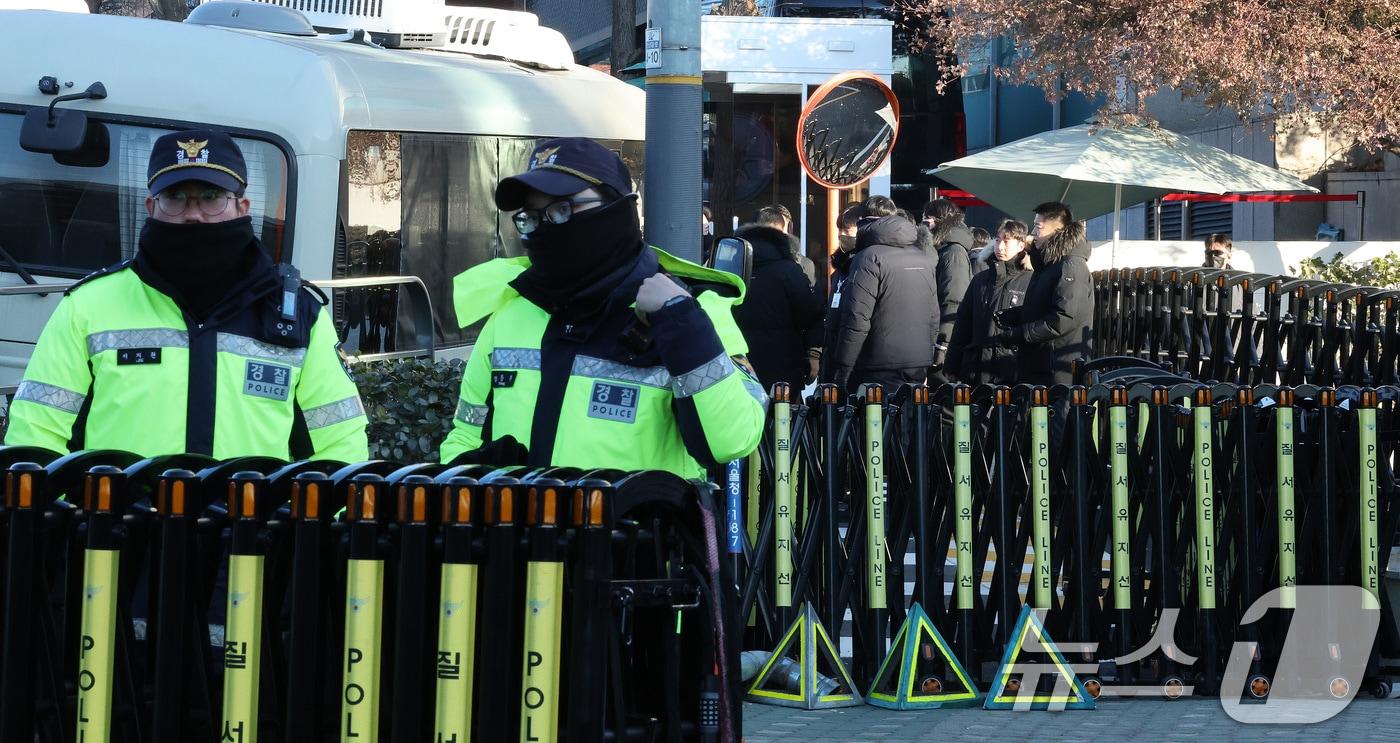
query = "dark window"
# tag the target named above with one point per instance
(422, 205)
(62, 220)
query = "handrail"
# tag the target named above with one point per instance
(40, 289)
(422, 318)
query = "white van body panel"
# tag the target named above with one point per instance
(308, 92)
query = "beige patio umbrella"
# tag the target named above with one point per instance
(1097, 170)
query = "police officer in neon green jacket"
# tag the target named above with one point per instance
(199, 343)
(593, 356)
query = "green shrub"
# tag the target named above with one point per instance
(1383, 272)
(410, 404)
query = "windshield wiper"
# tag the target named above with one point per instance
(18, 268)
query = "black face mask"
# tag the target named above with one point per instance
(201, 261)
(569, 262)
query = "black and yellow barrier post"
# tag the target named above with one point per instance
(312, 505)
(928, 588)
(25, 498)
(103, 493)
(544, 614)
(1086, 556)
(1042, 580)
(1287, 510)
(589, 613)
(962, 519)
(877, 614)
(1367, 454)
(1203, 461)
(1247, 520)
(456, 646)
(364, 612)
(413, 624)
(242, 650)
(502, 605)
(782, 502)
(178, 503)
(1121, 560)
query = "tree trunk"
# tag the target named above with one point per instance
(171, 10)
(624, 35)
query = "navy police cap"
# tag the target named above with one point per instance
(196, 155)
(563, 167)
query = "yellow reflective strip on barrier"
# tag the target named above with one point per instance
(1370, 540)
(364, 613)
(242, 647)
(1205, 509)
(782, 503)
(1040, 502)
(456, 653)
(544, 614)
(1122, 524)
(1065, 673)
(1287, 512)
(962, 498)
(97, 652)
(874, 507)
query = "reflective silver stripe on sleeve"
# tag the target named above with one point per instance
(756, 391)
(472, 415)
(50, 395)
(515, 358)
(110, 340)
(703, 377)
(333, 413)
(253, 348)
(651, 376)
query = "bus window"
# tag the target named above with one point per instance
(67, 221)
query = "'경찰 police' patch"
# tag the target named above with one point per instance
(272, 381)
(613, 402)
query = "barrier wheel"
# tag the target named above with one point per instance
(1259, 686)
(931, 685)
(1094, 686)
(1381, 690)
(1339, 687)
(1173, 687)
(1013, 685)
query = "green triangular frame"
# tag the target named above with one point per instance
(904, 652)
(1078, 698)
(812, 639)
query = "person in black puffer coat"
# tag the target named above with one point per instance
(887, 320)
(953, 241)
(1055, 327)
(973, 355)
(780, 311)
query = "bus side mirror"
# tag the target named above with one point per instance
(66, 133)
(733, 255)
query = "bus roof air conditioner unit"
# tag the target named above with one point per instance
(507, 34)
(396, 24)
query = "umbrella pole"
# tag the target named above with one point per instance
(1117, 215)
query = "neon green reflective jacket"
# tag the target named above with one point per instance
(583, 396)
(120, 366)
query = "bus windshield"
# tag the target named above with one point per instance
(69, 220)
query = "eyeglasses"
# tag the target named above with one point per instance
(558, 212)
(212, 202)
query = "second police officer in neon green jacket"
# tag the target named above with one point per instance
(592, 355)
(199, 343)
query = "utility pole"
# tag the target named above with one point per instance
(673, 127)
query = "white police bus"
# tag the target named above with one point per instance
(370, 154)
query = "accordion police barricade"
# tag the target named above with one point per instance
(330, 623)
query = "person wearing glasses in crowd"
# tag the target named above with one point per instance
(199, 343)
(598, 351)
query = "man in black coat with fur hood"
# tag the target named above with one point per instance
(1055, 326)
(953, 241)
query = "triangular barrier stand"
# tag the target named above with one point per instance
(1035, 684)
(921, 671)
(805, 670)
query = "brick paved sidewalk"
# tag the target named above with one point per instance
(1136, 720)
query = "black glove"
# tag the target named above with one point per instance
(504, 451)
(1008, 337)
